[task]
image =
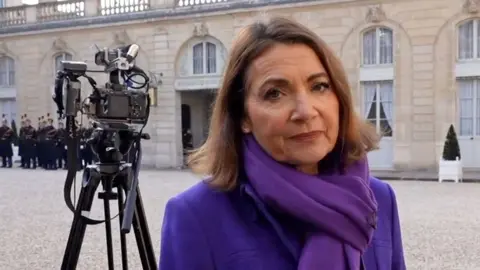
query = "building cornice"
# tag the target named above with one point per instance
(177, 13)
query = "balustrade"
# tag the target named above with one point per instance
(185, 3)
(64, 10)
(51, 10)
(12, 16)
(109, 7)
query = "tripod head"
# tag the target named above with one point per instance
(110, 146)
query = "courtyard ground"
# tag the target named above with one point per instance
(440, 222)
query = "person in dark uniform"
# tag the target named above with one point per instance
(6, 150)
(21, 140)
(83, 144)
(29, 144)
(61, 146)
(187, 143)
(50, 145)
(80, 145)
(87, 150)
(40, 146)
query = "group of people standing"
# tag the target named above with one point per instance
(44, 146)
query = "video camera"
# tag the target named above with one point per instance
(122, 101)
(119, 111)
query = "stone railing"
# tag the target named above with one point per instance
(110, 7)
(187, 3)
(52, 14)
(64, 10)
(12, 16)
(67, 10)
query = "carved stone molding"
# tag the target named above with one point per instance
(375, 14)
(183, 63)
(59, 45)
(122, 38)
(4, 49)
(471, 6)
(160, 30)
(200, 29)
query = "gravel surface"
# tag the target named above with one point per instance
(441, 222)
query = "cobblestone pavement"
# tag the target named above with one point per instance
(441, 222)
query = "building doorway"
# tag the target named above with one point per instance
(196, 111)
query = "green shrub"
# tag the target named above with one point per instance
(451, 148)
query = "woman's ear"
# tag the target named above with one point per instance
(246, 126)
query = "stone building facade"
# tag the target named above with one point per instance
(413, 65)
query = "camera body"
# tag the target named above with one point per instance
(119, 104)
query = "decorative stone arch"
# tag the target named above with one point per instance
(351, 53)
(5, 51)
(47, 71)
(446, 71)
(185, 77)
(58, 46)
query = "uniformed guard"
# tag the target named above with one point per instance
(87, 150)
(21, 140)
(6, 150)
(50, 145)
(29, 145)
(82, 144)
(61, 146)
(40, 151)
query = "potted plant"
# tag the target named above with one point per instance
(450, 165)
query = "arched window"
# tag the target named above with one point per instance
(378, 46)
(204, 58)
(61, 57)
(468, 40)
(7, 71)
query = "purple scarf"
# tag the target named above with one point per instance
(341, 207)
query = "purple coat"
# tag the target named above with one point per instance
(208, 230)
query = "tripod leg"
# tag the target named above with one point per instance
(77, 231)
(142, 235)
(123, 240)
(107, 187)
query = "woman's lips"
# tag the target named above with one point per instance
(307, 136)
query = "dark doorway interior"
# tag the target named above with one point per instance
(187, 141)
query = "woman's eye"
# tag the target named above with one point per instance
(273, 94)
(323, 86)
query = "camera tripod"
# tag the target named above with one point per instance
(112, 173)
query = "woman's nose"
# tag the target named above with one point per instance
(304, 109)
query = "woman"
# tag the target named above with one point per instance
(290, 186)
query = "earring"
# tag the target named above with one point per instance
(245, 130)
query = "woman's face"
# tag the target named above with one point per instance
(291, 108)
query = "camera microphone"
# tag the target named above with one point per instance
(132, 52)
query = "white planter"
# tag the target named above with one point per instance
(450, 170)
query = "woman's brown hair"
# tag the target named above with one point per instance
(221, 155)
